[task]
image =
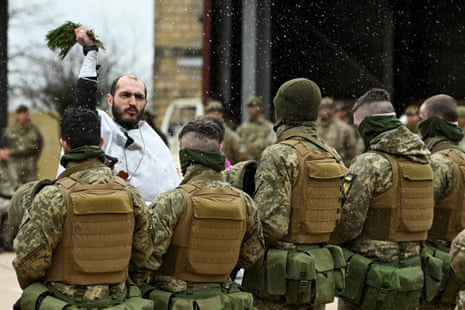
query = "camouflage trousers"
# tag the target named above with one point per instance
(266, 304)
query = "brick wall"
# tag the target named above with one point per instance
(178, 49)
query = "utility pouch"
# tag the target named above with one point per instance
(311, 276)
(356, 273)
(449, 284)
(201, 299)
(38, 296)
(433, 268)
(390, 286)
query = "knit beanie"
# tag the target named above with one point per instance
(297, 100)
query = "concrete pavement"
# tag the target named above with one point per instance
(10, 290)
(9, 287)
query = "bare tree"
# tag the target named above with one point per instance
(54, 88)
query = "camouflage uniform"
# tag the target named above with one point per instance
(257, 134)
(276, 174)
(340, 136)
(443, 182)
(26, 145)
(8, 185)
(373, 176)
(233, 147)
(42, 228)
(457, 257)
(168, 208)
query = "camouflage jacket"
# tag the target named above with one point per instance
(340, 136)
(276, 173)
(168, 208)
(443, 168)
(24, 140)
(42, 227)
(256, 134)
(8, 184)
(372, 176)
(233, 146)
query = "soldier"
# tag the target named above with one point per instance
(233, 147)
(412, 118)
(205, 228)
(82, 236)
(8, 185)
(257, 133)
(298, 191)
(441, 134)
(26, 145)
(142, 156)
(457, 262)
(387, 212)
(335, 132)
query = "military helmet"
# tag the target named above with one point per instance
(297, 100)
(214, 105)
(457, 255)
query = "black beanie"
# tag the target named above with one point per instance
(297, 100)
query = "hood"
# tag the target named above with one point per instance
(401, 141)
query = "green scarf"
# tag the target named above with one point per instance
(436, 127)
(82, 153)
(372, 126)
(215, 160)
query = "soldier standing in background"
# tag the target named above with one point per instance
(391, 183)
(412, 118)
(298, 191)
(233, 147)
(441, 134)
(205, 228)
(84, 235)
(8, 185)
(257, 133)
(335, 132)
(26, 144)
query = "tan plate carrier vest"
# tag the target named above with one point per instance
(449, 212)
(206, 242)
(97, 234)
(405, 211)
(316, 195)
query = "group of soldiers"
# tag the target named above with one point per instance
(117, 229)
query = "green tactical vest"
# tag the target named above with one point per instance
(97, 234)
(449, 212)
(405, 211)
(206, 242)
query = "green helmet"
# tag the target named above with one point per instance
(297, 100)
(457, 255)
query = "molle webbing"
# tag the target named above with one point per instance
(315, 201)
(97, 234)
(206, 242)
(405, 211)
(449, 212)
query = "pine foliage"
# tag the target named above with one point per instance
(63, 38)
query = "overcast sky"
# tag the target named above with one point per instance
(128, 24)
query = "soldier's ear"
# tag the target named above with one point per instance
(101, 142)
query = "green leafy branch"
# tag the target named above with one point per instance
(63, 38)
